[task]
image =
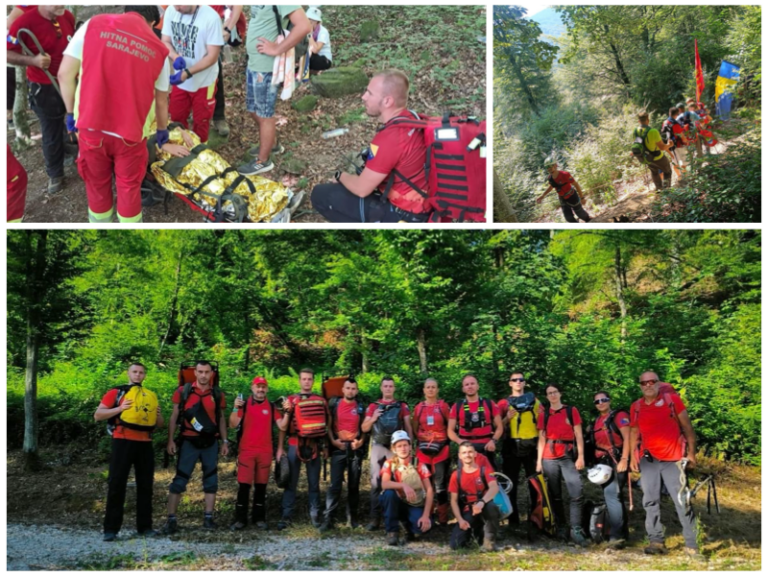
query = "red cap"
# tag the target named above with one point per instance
(260, 380)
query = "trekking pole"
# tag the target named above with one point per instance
(29, 52)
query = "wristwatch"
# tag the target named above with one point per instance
(227, 29)
(189, 74)
(337, 176)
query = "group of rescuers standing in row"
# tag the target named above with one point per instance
(533, 440)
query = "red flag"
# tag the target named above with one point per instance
(699, 74)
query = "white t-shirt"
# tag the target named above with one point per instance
(191, 34)
(325, 37)
(163, 83)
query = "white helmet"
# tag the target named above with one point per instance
(398, 436)
(600, 474)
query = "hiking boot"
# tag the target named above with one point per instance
(110, 536)
(578, 537)
(209, 524)
(149, 533)
(489, 546)
(55, 185)
(278, 149)
(326, 526)
(237, 526)
(171, 526)
(316, 522)
(617, 544)
(694, 554)
(562, 533)
(655, 548)
(353, 523)
(283, 524)
(373, 526)
(256, 167)
(410, 536)
(262, 525)
(393, 539)
(221, 127)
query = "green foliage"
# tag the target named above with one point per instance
(490, 302)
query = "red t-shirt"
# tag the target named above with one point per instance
(54, 36)
(293, 438)
(659, 427)
(346, 419)
(564, 177)
(621, 420)
(403, 150)
(471, 484)
(558, 428)
(221, 11)
(194, 397)
(122, 433)
(482, 460)
(257, 426)
(433, 426)
(482, 434)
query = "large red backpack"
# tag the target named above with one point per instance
(455, 167)
(310, 417)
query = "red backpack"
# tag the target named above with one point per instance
(455, 167)
(310, 417)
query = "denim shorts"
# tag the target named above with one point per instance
(260, 94)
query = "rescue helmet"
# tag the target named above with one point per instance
(600, 474)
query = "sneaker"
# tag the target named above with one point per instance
(283, 524)
(221, 127)
(373, 526)
(147, 533)
(617, 544)
(171, 526)
(209, 524)
(237, 526)
(655, 548)
(694, 554)
(578, 537)
(110, 536)
(392, 539)
(255, 167)
(55, 185)
(278, 149)
(262, 526)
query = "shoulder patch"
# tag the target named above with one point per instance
(372, 151)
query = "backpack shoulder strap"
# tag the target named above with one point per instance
(569, 413)
(278, 20)
(185, 393)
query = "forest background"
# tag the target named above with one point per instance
(568, 84)
(589, 310)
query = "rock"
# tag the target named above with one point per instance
(338, 82)
(369, 31)
(305, 104)
(294, 166)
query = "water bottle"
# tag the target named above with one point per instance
(335, 133)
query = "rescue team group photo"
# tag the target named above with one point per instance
(262, 114)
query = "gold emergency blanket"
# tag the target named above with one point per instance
(269, 198)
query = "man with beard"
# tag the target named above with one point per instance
(392, 186)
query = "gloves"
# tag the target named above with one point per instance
(176, 78)
(71, 123)
(162, 137)
(179, 63)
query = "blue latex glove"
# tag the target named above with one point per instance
(162, 137)
(179, 63)
(176, 78)
(71, 123)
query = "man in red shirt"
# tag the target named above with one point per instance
(306, 450)
(203, 425)
(54, 27)
(476, 419)
(383, 418)
(16, 185)
(392, 187)
(130, 448)
(662, 430)
(346, 452)
(472, 490)
(568, 192)
(254, 418)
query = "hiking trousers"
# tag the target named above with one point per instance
(350, 462)
(396, 510)
(50, 110)
(570, 213)
(377, 455)
(186, 460)
(614, 503)
(140, 456)
(483, 527)
(514, 460)
(313, 482)
(658, 168)
(672, 475)
(565, 469)
(337, 204)
(259, 513)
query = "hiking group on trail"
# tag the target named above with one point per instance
(412, 485)
(170, 62)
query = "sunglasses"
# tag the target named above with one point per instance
(644, 383)
(517, 379)
(57, 26)
(602, 401)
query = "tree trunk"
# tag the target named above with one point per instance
(174, 301)
(620, 293)
(23, 134)
(364, 353)
(421, 343)
(502, 207)
(619, 65)
(524, 84)
(34, 273)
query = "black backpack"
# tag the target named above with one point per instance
(668, 132)
(387, 424)
(483, 407)
(198, 412)
(612, 428)
(524, 403)
(300, 48)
